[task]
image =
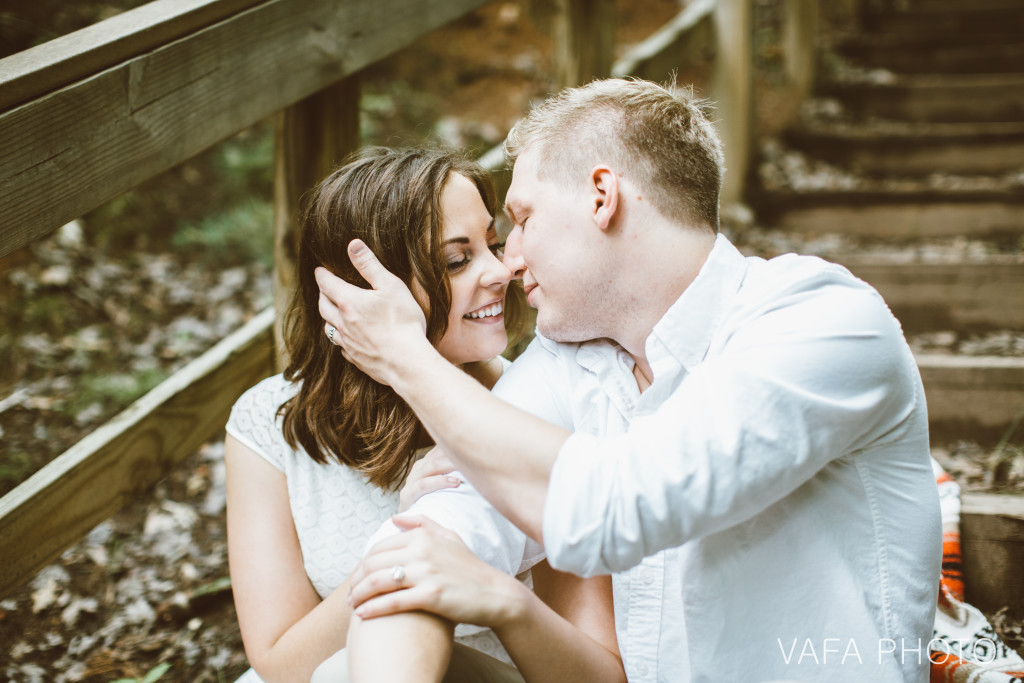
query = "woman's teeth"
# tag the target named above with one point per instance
(486, 312)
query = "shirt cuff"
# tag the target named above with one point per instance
(574, 511)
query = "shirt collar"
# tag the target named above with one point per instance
(686, 329)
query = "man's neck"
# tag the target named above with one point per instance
(659, 278)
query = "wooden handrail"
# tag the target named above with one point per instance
(68, 152)
(95, 478)
(64, 60)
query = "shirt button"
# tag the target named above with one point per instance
(647, 577)
(641, 669)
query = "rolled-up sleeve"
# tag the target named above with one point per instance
(528, 384)
(789, 391)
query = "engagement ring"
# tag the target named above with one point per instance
(398, 574)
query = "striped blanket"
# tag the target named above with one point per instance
(964, 647)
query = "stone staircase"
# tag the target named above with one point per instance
(907, 166)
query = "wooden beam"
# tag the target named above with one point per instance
(732, 91)
(800, 37)
(674, 45)
(583, 37)
(107, 469)
(68, 152)
(44, 68)
(992, 537)
(311, 139)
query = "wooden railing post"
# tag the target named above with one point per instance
(311, 138)
(584, 40)
(732, 92)
(800, 35)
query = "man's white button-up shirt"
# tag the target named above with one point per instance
(766, 506)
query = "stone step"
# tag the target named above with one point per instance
(902, 148)
(977, 53)
(911, 214)
(939, 98)
(941, 22)
(965, 297)
(973, 397)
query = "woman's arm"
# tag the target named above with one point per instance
(287, 630)
(575, 641)
(409, 647)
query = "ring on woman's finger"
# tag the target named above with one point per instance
(331, 329)
(398, 574)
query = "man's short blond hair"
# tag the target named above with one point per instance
(660, 136)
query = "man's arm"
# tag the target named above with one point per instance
(507, 453)
(745, 430)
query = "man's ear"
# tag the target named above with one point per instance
(604, 187)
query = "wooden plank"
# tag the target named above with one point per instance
(992, 537)
(107, 469)
(675, 44)
(800, 37)
(64, 60)
(916, 149)
(732, 89)
(936, 97)
(311, 139)
(948, 296)
(860, 215)
(972, 397)
(583, 36)
(69, 152)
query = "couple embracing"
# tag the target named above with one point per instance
(700, 456)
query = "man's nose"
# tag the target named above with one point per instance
(513, 258)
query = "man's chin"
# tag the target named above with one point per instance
(561, 333)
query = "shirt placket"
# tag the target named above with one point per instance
(646, 582)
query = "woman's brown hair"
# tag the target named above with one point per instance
(391, 200)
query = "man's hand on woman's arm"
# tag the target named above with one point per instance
(573, 639)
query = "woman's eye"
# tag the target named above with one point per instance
(455, 266)
(497, 249)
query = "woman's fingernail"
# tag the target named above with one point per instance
(454, 481)
(356, 248)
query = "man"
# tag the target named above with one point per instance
(748, 452)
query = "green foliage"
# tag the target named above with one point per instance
(15, 468)
(234, 173)
(214, 587)
(245, 163)
(152, 676)
(241, 234)
(112, 389)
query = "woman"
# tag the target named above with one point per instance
(314, 456)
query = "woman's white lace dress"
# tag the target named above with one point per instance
(335, 508)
